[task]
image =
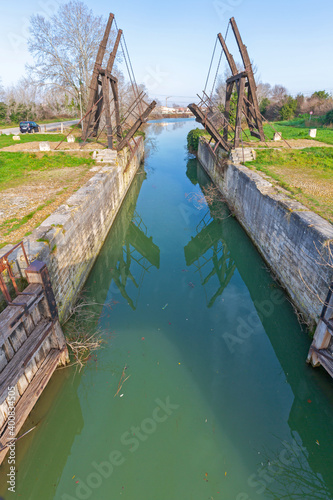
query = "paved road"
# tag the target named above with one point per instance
(50, 127)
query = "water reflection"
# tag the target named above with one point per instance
(122, 270)
(209, 253)
(222, 247)
(137, 256)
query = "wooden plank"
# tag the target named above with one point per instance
(12, 316)
(30, 397)
(326, 360)
(18, 364)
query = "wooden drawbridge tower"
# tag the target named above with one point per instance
(216, 121)
(104, 95)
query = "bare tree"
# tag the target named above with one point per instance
(64, 48)
(2, 91)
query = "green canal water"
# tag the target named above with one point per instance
(219, 403)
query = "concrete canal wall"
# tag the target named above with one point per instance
(293, 240)
(70, 240)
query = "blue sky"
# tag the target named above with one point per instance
(171, 42)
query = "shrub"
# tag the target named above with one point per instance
(288, 110)
(328, 118)
(193, 139)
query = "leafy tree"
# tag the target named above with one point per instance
(264, 105)
(321, 94)
(288, 109)
(3, 111)
(328, 119)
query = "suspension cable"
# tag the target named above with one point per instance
(211, 63)
(129, 68)
(218, 66)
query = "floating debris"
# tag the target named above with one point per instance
(122, 380)
(166, 305)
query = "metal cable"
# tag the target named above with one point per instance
(218, 66)
(211, 63)
(129, 68)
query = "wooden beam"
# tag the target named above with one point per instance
(98, 113)
(237, 77)
(250, 76)
(241, 93)
(136, 126)
(94, 79)
(106, 98)
(201, 118)
(229, 56)
(229, 91)
(114, 86)
(113, 54)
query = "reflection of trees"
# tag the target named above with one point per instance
(156, 127)
(293, 478)
(209, 253)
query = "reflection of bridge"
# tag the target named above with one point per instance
(210, 254)
(138, 251)
(128, 252)
(313, 399)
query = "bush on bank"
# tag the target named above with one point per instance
(193, 139)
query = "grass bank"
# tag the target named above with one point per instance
(307, 174)
(16, 168)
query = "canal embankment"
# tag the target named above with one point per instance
(70, 239)
(293, 240)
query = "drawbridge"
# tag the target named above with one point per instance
(216, 118)
(104, 111)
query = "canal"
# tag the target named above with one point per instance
(201, 391)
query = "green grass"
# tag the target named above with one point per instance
(7, 140)
(16, 167)
(307, 174)
(320, 158)
(294, 130)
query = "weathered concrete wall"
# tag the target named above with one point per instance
(286, 233)
(70, 239)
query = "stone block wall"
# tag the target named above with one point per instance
(293, 240)
(70, 239)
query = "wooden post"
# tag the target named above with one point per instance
(94, 80)
(98, 112)
(230, 87)
(106, 98)
(250, 76)
(241, 90)
(114, 86)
